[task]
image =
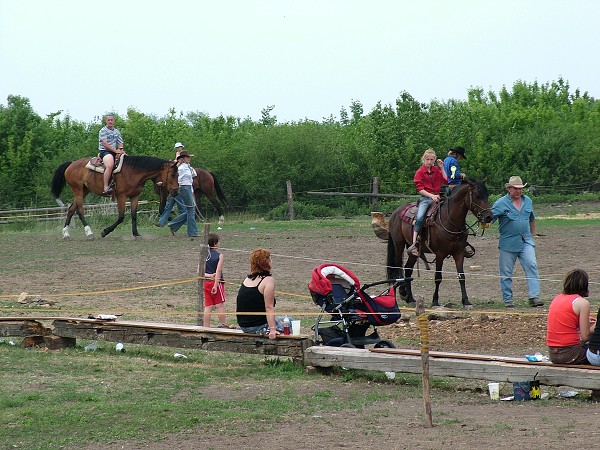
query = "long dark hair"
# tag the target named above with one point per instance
(576, 282)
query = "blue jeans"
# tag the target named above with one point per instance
(264, 329)
(506, 265)
(424, 203)
(593, 358)
(169, 207)
(189, 216)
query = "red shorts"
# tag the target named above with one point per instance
(211, 299)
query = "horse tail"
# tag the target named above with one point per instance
(219, 191)
(392, 271)
(58, 180)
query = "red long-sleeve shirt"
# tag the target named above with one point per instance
(431, 181)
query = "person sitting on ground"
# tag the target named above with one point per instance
(256, 298)
(428, 180)
(110, 144)
(593, 351)
(214, 285)
(455, 178)
(569, 322)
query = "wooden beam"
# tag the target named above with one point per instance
(183, 336)
(490, 368)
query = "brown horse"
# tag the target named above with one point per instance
(129, 183)
(446, 236)
(206, 183)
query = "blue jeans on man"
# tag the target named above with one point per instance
(506, 265)
(189, 216)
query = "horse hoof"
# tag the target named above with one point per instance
(103, 234)
(66, 238)
(90, 237)
(138, 237)
(469, 306)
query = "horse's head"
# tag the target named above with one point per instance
(166, 181)
(477, 201)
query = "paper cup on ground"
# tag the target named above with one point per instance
(296, 327)
(494, 390)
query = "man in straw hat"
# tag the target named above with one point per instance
(516, 226)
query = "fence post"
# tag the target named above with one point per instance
(375, 199)
(290, 199)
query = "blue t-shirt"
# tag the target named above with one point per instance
(513, 224)
(452, 169)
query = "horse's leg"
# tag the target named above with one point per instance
(198, 197)
(77, 207)
(133, 207)
(70, 211)
(121, 209)
(459, 260)
(408, 271)
(439, 263)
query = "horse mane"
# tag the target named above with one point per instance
(144, 162)
(481, 192)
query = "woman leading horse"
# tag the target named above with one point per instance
(445, 236)
(205, 183)
(135, 171)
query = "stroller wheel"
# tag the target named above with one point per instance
(384, 343)
(347, 345)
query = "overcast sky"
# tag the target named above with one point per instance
(307, 58)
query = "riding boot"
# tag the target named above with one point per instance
(469, 251)
(414, 249)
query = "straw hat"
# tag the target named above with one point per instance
(515, 182)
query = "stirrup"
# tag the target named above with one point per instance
(469, 251)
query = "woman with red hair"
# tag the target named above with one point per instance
(256, 298)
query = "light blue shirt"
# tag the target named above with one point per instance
(513, 224)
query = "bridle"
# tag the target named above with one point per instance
(472, 206)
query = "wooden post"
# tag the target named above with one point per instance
(423, 323)
(201, 268)
(290, 198)
(375, 199)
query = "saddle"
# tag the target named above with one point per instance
(97, 165)
(409, 213)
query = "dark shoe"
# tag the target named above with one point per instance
(413, 250)
(172, 232)
(509, 305)
(534, 301)
(107, 191)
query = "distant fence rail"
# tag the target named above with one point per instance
(59, 212)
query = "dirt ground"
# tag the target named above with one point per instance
(463, 420)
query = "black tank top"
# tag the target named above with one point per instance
(250, 299)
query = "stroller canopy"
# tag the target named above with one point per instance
(322, 275)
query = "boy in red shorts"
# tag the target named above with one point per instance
(214, 286)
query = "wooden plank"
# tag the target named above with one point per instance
(22, 327)
(183, 336)
(490, 370)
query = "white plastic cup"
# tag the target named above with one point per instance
(494, 389)
(296, 327)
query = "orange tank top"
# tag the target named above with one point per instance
(563, 323)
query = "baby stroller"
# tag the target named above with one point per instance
(339, 293)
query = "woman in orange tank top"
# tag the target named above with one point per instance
(569, 322)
